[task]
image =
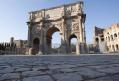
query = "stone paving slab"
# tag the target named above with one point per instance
(68, 77)
(38, 78)
(60, 68)
(88, 73)
(9, 76)
(108, 78)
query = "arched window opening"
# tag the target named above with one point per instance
(115, 35)
(102, 39)
(97, 40)
(111, 37)
(117, 47)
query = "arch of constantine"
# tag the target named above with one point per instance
(68, 19)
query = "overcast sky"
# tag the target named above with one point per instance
(14, 15)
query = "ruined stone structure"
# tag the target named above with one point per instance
(13, 47)
(99, 43)
(111, 36)
(68, 19)
(107, 39)
(98, 35)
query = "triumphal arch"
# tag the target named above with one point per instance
(68, 19)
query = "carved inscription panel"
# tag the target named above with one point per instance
(55, 13)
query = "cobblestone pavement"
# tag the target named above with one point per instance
(60, 68)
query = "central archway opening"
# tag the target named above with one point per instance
(53, 38)
(56, 40)
(73, 44)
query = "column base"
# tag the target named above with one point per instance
(64, 49)
(83, 48)
(30, 51)
(40, 53)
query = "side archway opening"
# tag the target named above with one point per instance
(36, 43)
(73, 43)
